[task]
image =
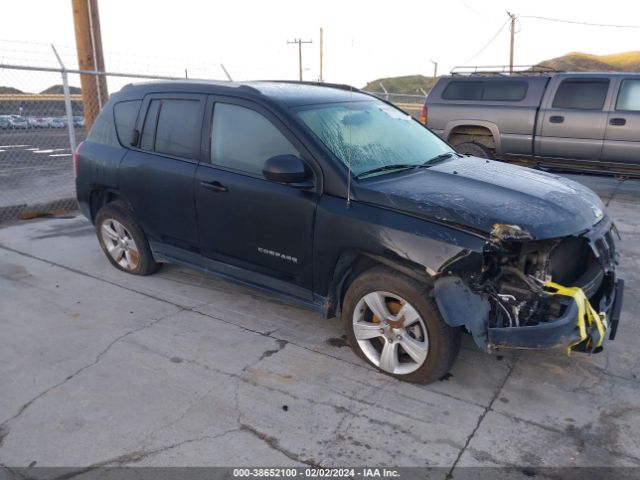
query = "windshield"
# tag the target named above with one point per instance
(372, 135)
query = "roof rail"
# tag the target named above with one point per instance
(340, 86)
(504, 70)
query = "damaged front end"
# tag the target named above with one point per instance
(525, 293)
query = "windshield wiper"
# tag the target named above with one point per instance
(407, 166)
(438, 159)
(384, 168)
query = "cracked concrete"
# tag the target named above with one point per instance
(178, 369)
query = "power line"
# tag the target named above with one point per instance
(489, 42)
(471, 9)
(559, 20)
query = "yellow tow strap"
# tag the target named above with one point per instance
(591, 324)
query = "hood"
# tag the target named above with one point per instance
(478, 193)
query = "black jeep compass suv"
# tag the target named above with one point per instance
(335, 200)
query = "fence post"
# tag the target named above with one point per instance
(67, 102)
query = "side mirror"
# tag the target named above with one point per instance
(287, 169)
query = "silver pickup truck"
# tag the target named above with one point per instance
(582, 116)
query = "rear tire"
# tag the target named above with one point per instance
(474, 149)
(123, 241)
(417, 345)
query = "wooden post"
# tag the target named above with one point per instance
(86, 21)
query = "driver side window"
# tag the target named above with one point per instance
(242, 139)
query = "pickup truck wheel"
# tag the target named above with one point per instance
(473, 149)
(123, 241)
(393, 324)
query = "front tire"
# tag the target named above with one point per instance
(123, 241)
(393, 324)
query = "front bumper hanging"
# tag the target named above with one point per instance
(592, 325)
(581, 328)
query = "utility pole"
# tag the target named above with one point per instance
(86, 20)
(321, 55)
(513, 33)
(299, 42)
(435, 68)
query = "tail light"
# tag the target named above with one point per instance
(423, 115)
(76, 157)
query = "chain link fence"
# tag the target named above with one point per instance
(42, 119)
(411, 104)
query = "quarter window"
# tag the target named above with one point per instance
(125, 114)
(629, 96)
(588, 94)
(243, 139)
(103, 130)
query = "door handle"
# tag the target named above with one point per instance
(556, 119)
(214, 186)
(618, 122)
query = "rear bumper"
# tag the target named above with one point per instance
(561, 332)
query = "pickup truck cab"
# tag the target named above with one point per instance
(582, 116)
(337, 201)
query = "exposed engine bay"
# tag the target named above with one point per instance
(519, 289)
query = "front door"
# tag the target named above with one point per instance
(246, 221)
(573, 125)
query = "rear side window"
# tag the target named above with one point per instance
(243, 139)
(588, 94)
(629, 96)
(497, 91)
(103, 130)
(178, 131)
(172, 127)
(125, 114)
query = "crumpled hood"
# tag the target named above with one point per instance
(479, 193)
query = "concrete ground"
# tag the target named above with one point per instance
(98, 367)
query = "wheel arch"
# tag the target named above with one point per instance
(101, 196)
(480, 131)
(353, 263)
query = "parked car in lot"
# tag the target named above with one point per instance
(334, 200)
(5, 123)
(584, 116)
(78, 121)
(38, 122)
(18, 121)
(58, 122)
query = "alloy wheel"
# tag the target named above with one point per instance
(120, 244)
(390, 332)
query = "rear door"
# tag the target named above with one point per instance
(156, 176)
(247, 221)
(622, 137)
(574, 119)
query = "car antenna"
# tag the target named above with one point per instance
(349, 151)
